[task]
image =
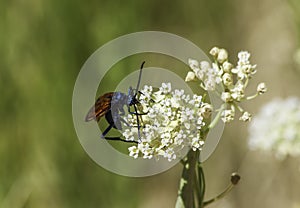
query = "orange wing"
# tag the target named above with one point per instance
(101, 107)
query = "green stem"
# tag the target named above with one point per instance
(217, 117)
(238, 107)
(197, 185)
(252, 96)
(227, 190)
(192, 185)
(246, 82)
(234, 181)
(201, 185)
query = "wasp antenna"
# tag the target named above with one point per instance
(140, 77)
(142, 66)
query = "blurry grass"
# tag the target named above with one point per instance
(43, 46)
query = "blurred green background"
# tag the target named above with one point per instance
(43, 45)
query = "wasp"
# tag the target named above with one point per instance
(111, 105)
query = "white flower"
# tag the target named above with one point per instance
(227, 79)
(277, 128)
(216, 72)
(190, 76)
(244, 69)
(261, 88)
(222, 74)
(210, 75)
(222, 55)
(227, 116)
(205, 66)
(133, 151)
(214, 51)
(128, 134)
(173, 122)
(197, 143)
(203, 70)
(246, 116)
(194, 65)
(196, 101)
(226, 97)
(206, 110)
(237, 93)
(227, 66)
(170, 154)
(148, 89)
(243, 57)
(165, 88)
(211, 78)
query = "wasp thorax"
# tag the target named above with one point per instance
(119, 98)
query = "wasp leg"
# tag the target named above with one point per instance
(119, 139)
(138, 122)
(106, 130)
(128, 125)
(114, 138)
(135, 111)
(144, 94)
(138, 114)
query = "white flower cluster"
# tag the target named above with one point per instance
(233, 79)
(277, 128)
(172, 123)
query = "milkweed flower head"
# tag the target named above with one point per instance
(173, 122)
(232, 79)
(276, 128)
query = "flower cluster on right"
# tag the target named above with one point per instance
(226, 80)
(176, 121)
(277, 128)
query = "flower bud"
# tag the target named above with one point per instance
(194, 64)
(261, 88)
(222, 56)
(206, 110)
(214, 51)
(205, 66)
(190, 76)
(227, 79)
(227, 66)
(246, 117)
(226, 97)
(227, 116)
(235, 178)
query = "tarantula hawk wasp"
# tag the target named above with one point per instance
(111, 105)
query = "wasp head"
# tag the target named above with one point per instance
(131, 98)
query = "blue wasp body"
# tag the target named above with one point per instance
(111, 105)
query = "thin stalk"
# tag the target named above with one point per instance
(217, 117)
(220, 196)
(234, 181)
(188, 182)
